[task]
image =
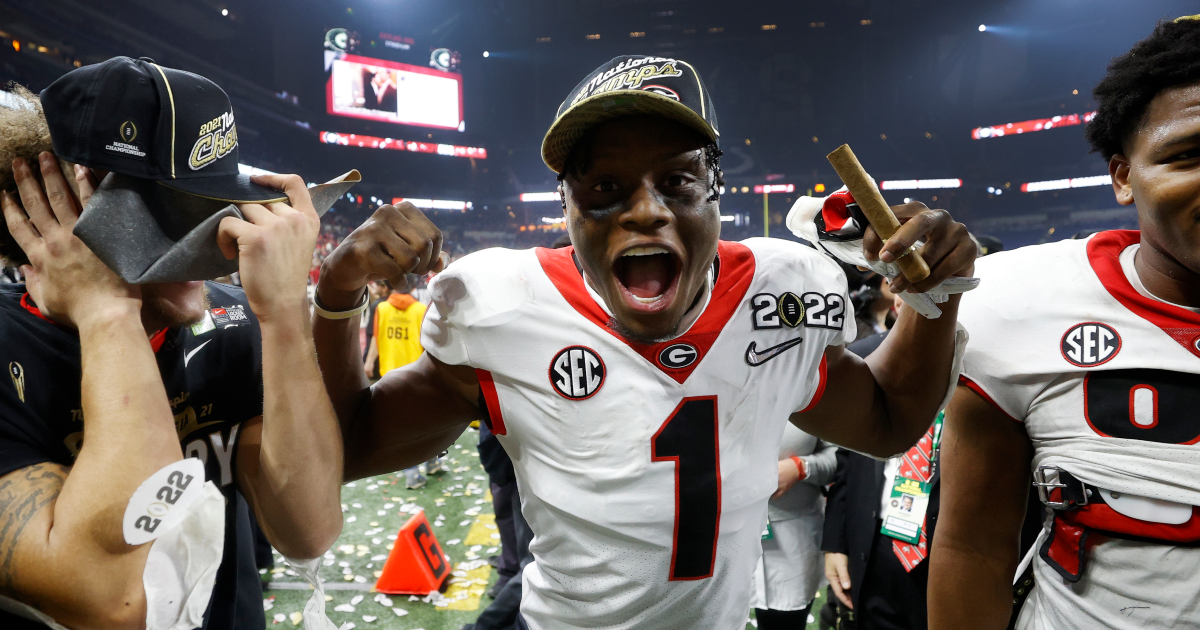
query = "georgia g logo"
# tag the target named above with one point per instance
(678, 355)
(1090, 344)
(577, 373)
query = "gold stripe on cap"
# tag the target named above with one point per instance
(171, 96)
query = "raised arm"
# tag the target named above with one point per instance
(60, 529)
(882, 405)
(985, 482)
(416, 411)
(290, 460)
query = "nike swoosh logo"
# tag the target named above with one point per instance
(188, 357)
(755, 358)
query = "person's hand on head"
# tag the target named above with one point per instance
(948, 250)
(394, 242)
(67, 280)
(274, 246)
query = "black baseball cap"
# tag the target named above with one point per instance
(137, 118)
(630, 85)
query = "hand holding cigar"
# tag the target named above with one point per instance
(948, 249)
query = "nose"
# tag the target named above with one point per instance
(645, 211)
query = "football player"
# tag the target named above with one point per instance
(641, 379)
(1083, 369)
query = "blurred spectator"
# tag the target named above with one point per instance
(789, 571)
(874, 306)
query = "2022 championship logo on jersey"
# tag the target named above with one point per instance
(812, 309)
(1090, 344)
(228, 316)
(577, 373)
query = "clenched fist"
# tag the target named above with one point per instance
(395, 241)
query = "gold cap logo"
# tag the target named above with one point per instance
(128, 131)
(18, 376)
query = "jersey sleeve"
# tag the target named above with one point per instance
(474, 296)
(818, 278)
(997, 316)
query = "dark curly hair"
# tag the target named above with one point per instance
(579, 162)
(1169, 57)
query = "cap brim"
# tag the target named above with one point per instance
(589, 112)
(228, 188)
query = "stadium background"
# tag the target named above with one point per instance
(920, 88)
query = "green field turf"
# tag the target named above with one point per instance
(365, 535)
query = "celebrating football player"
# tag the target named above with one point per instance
(641, 379)
(1084, 369)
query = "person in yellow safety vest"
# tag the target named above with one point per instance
(396, 342)
(396, 338)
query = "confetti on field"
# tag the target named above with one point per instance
(480, 533)
(296, 617)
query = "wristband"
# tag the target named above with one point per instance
(354, 312)
(800, 465)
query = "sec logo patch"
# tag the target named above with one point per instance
(577, 373)
(1090, 344)
(678, 355)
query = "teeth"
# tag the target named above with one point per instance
(649, 300)
(646, 251)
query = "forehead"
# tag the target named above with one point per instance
(1174, 112)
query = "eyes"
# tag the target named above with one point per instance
(671, 182)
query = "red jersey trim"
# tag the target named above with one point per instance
(488, 388)
(156, 340)
(965, 381)
(1104, 251)
(733, 280)
(823, 369)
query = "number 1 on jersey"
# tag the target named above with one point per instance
(689, 438)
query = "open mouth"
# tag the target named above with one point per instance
(647, 277)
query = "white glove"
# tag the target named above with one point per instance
(840, 231)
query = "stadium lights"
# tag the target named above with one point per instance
(773, 188)
(1062, 184)
(349, 139)
(982, 27)
(725, 218)
(485, 53)
(436, 204)
(1038, 124)
(540, 196)
(919, 184)
(554, 220)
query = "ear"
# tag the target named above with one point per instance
(1118, 168)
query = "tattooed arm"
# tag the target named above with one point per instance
(62, 549)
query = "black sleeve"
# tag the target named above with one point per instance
(833, 539)
(24, 439)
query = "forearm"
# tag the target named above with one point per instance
(970, 586)
(339, 355)
(912, 371)
(129, 433)
(821, 465)
(296, 481)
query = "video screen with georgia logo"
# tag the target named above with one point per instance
(389, 91)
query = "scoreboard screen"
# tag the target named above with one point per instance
(389, 91)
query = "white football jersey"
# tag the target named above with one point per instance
(644, 469)
(1106, 380)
